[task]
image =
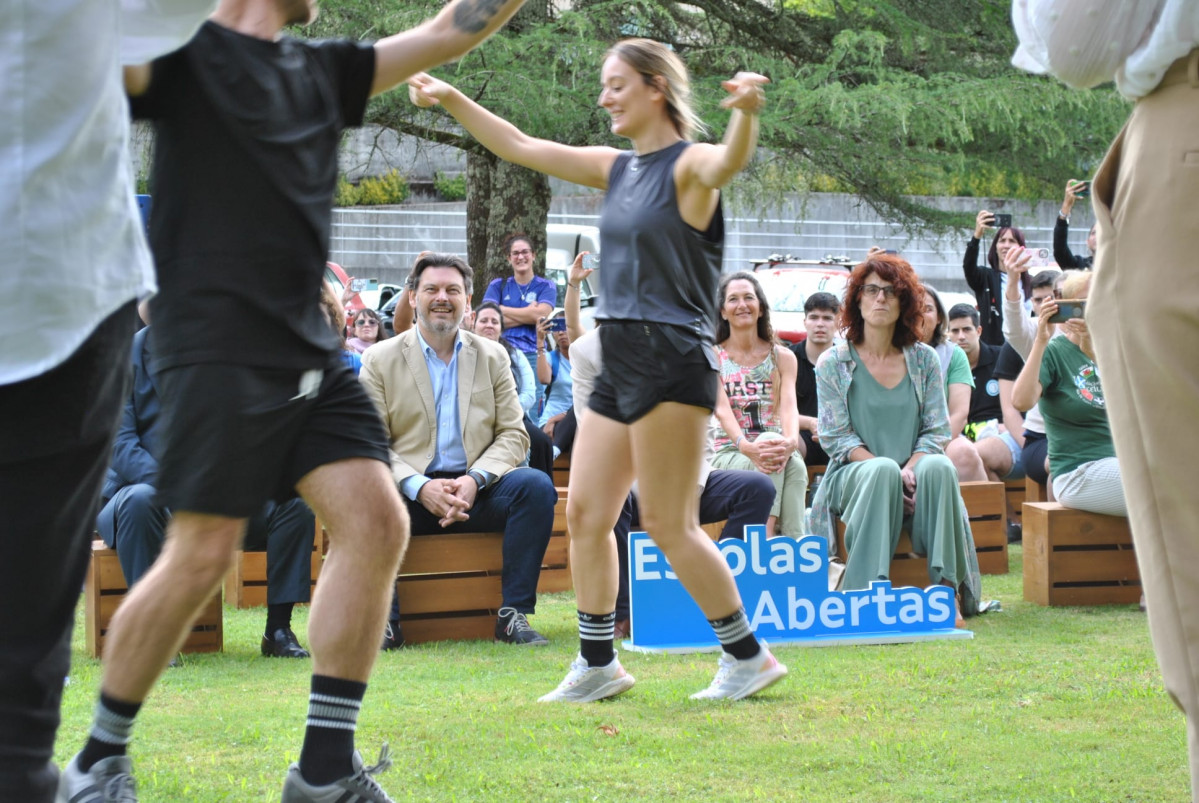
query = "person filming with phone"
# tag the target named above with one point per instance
(1062, 254)
(989, 282)
(1060, 373)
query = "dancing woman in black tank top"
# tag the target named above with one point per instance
(661, 234)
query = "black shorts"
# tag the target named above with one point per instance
(645, 364)
(1036, 447)
(236, 436)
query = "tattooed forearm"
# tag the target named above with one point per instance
(472, 16)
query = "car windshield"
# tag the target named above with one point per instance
(788, 289)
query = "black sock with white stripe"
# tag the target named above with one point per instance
(112, 727)
(328, 749)
(735, 637)
(596, 632)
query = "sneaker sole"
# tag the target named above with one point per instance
(610, 689)
(763, 680)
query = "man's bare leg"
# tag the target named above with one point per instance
(152, 623)
(359, 505)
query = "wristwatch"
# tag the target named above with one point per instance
(479, 479)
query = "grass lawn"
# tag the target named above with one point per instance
(1044, 704)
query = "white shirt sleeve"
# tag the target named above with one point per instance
(1088, 42)
(152, 28)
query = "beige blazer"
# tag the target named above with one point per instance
(396, 378)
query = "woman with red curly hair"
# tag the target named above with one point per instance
(884, 423)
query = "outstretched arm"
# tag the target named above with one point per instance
(587, 166)
(457, 29)
(713, 166)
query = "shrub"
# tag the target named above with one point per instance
(390, 188)
(450, 188)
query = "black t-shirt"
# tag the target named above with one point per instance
(984, 399)
(1009, 364)
(805, 382)
(245, 167)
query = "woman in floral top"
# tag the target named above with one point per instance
(884, 423)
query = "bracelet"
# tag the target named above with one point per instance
(575, 286)
(737, 445)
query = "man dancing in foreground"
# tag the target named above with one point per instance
(257, 403)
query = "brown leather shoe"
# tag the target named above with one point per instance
(623, 629)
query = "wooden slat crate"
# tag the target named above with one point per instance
(245, 583)
(105, 588)
(1072, 557)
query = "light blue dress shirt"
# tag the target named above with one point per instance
(450, 454)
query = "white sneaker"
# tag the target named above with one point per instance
(586, 684)
(110, 780)
(739, 679)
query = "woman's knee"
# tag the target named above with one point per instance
(936, 467)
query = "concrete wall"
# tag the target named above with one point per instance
(382, 242)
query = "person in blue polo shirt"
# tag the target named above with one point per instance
(523, 298)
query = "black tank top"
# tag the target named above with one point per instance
(656, 267)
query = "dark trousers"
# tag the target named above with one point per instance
(564, 432)
(135, 527)
(742, 497)
(56, 434)
(521, 504)
(541, 448)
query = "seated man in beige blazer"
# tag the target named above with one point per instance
(449, 403)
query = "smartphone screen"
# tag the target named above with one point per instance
(357, 285)
(1069, 308)
(591, 261)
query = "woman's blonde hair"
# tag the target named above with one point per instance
(1075, 283)
(654, 60)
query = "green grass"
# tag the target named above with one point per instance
(1043, 704)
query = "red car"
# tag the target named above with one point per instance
(787, 284)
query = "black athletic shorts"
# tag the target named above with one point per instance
(645, 364)
(1036, 448)
(236, 436)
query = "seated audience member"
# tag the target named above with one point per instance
(1061, 374)
(999, 450)
(457, 466)
(132, 524)
(367, 330)
(524, 298)
(884, 423)
(1020, 329)
(553, 372)
(489, 323)
(1062, 254)
(989, 282)
(755, 408)
(820, 322)
(335, 316)
(1008, 366)
(959, 384)
(737, 497)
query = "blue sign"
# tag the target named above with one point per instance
(784, 585)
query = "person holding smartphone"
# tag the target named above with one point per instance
(1060, 374)
(990, 281)
(1062, 254)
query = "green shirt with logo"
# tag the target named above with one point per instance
(1072, 404)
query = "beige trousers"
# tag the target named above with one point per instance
(1144, 318)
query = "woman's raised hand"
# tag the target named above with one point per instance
(745, 92)
(983, 221)
(424, 90)
(1044, 327)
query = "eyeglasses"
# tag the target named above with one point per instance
(872, 290)
(525, 253)
(366, 322)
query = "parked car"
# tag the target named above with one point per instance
(787, 284)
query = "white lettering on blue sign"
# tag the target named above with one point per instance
(784, 586)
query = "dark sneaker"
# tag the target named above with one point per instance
(110, 780)
(511, 627)
(358, 787)
(1015, 532)
(393, 637)
(283, 644)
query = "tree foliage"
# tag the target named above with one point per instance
(887, 100)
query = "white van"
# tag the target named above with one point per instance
(564, 241)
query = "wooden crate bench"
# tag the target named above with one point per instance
(105, 588)
(1072, 557)
(450, 585)
(985, 507)
(245, 583)
(1035, 491)
(562, 471)
(1015, 492)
